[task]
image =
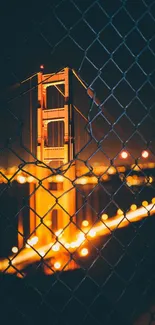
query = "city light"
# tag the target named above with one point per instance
(83, 181)
(26, 257)
(56, 247)
(30, 179)
(150, 179)
(145, 203)
(92, 233)
(67, 245)
(120, 212)
(145, 154)
(153, 200)
(84, 252)
(14, 249)
(133, 207)
(58, 233)
(57, 265)
(112, 170)
(85, 223)
(42, 253)
(21, 179)
(104, 216)
(59, 178)
(124, 155)
(32, 241)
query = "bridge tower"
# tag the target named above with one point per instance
(55, 199)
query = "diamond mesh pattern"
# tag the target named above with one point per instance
(108, 277)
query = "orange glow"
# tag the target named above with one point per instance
(120, 212)
(42, 253)
(67, 245)
(150, 180)
(145, 203)
(56, 247)
(122, 221)
(59, 233)
(145, 154)
(32, 241)
(112, 170)
(59, 178)
(121, 169)
(26, 257)
(84, 252)
(83, 181)
(151, 165)
(14, 249)
(104, 216)
(105, 177)
(57, 265)
(85, 223)
(9, 174)
(133, 207)
(153, 200)
(30, 179)
(92, 233)
(58, 203)
(48, 223)
(124, 154)
(21, 179)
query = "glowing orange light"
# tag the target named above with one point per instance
(14, 249)
(81, 237)
(73, 244)
(150, 179)
(56, 247)
(32, 241)
(105, 177)
(48, 223)
(59, 233)
(124, 154)
(85, 223)
(104, 216)
(145, 154)
(133, 207)
(30, 179)
(83, 181)
(42, 253)
(101, 229)
(57, 265)
(67, 245)
(59, 178)
(121, 169)
(41, 66)
(153, 200)
(145, 203)
(84, 252)
(119, 212)
(21, 179)
(92, 233)
(111, 170)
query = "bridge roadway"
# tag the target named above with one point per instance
(27, 256)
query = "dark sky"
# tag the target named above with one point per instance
(112, 46)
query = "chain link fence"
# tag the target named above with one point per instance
(105, 274)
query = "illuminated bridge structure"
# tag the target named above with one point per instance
(54, 234)
(53, 202)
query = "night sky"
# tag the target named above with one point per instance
(112, 46)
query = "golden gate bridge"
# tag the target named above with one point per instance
(54, 234)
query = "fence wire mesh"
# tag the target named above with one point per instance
(77, 235)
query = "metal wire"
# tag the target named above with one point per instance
(105, 274)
